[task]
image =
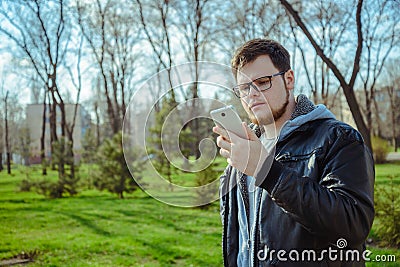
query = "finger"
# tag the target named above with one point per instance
(222, 143)
(250, 134)
(234, 138)
(222, 132)
(225, 153)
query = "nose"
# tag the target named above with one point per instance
(253, 91)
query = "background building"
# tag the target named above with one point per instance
(34, 115)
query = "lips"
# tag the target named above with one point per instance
(253, 105)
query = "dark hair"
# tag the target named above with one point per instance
(252, 49)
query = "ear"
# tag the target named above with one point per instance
(289, 79)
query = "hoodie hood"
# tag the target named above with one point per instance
(305, 111)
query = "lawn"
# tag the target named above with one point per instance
(97, 229)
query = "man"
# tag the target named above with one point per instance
(305, 200)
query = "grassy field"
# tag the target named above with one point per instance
(97, 229)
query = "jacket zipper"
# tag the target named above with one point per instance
(256, 229)
(284, 157)
(248, 241)
(288, 157)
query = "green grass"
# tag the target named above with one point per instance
(382, 178)
(384, 171)
(188, 179)
(97, 229)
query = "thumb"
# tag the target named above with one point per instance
(250, 134)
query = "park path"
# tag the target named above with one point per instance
(393, 156)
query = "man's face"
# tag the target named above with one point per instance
(263, 108)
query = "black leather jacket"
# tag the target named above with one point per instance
(319, 190)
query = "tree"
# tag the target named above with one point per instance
(109, 29)
(240, 21)
(329, 30)
(379, 41)
(156, 139)
(12, 128)
(70, 126)
(1, 142)
(157, 24)
(393, 91)
(195, 17)
(40, 31)
(7, 139)
(24, 144)
(347, 86)
(113, 173)
(205, 177)
(159, 14)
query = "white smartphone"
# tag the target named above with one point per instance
(227, 118)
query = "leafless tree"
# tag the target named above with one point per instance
(70, 126)
(393, 91)
(39, 31)
(1, 142)
(328, 29)
(192, 17)
(109, 29)
(240, 21)
(6, 130)
(380, 38)
(157, 26)
(347, 86)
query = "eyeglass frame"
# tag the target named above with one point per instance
(254, 86)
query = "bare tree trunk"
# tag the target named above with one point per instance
(42, 138)
(96, 111)
(110, 108)
(70, 153)
(70, 128)
(61, 160)
(392, 100)
(1, 148)
(8, 154)
(53, 129)
(377, 117)
(394, 130)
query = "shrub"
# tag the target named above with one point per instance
(26, 185)
(43, 187)
(387, 206)
(380, 149)
(204, 177)
(49, 189)
(113, 173)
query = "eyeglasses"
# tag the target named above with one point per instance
(259, 84)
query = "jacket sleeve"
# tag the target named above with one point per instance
(340, 203)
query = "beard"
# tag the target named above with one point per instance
(276, 113)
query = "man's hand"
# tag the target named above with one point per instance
(246, 155)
